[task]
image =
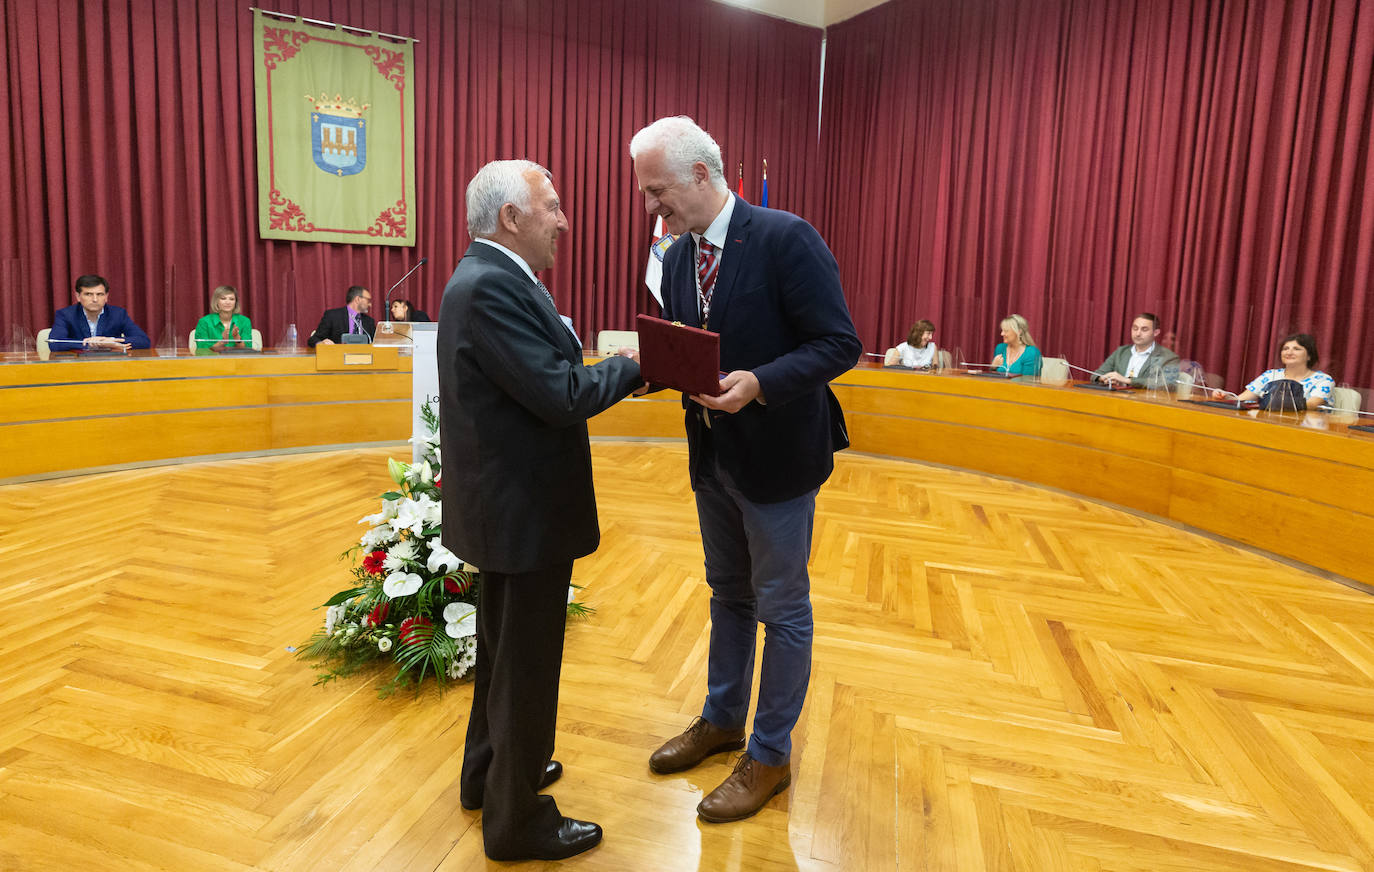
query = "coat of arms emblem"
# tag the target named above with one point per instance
(338, 135)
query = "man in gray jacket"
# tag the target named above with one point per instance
(1142, 363)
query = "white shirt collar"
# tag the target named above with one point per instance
(519, 261)
(720, 226)
(1139, 353)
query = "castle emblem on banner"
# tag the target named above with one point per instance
(338, 135)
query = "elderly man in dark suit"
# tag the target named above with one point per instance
(514, 401)
(349, 318)
(766, 282)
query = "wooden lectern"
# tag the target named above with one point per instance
(357, 358)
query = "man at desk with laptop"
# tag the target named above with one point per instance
(89, 325)
(1143, 362)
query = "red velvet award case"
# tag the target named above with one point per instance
(673, 355)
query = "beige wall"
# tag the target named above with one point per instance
(817, 13)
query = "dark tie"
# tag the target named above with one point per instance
(706, 276)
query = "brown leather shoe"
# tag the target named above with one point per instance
(747, 790)
(701, 739)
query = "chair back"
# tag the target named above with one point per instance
(1054, 371)
(44, 352)
(1345, 399)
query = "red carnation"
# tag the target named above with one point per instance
(416, 630)
(458, 585)
(378, 613)
(373, 562)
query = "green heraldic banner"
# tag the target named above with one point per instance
(336, 135)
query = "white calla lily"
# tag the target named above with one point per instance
(442, 560)
(461, 619)
(401, 584)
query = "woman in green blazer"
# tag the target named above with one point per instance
(224, 327)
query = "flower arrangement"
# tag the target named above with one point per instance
(413, 601)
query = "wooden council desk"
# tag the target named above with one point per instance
(1296, 485)
(79, 414)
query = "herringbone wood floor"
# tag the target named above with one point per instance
(1004, 679)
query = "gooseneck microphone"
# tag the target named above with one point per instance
(408, 274)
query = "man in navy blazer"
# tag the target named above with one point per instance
(90, 324)
(758, 453)
(514, 402)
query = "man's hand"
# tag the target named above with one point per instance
(325, 342)
(740, 387)
(106, 342)
(1109, 377)
(631, 353)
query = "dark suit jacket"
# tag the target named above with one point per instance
(70, 323)
(514, 402)
(780, 312)
(1161, 361)
(334, 324)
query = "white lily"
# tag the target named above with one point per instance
(414, 514)
(401, 584)
(442, 560)
(461, 618)
(389, 510)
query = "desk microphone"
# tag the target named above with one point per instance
(1327, 407)
(387, 304)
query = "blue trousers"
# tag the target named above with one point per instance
(756, 555)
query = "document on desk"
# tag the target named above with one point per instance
(673, 355)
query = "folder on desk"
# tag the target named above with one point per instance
(676, 356)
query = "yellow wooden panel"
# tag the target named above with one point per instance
(1284, 523)
(340, 424)
(646, 417)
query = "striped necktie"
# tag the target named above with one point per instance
(707, 267)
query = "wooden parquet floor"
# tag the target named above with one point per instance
(1005, 679)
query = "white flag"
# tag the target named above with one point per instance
(653, 270)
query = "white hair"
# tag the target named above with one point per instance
(683, 144)
(496, 184)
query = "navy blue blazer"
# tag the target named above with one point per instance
(781, 314)
(70, 323)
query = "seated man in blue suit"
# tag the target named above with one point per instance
(758, 453)
(91, 325)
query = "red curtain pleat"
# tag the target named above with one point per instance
(1078, 162)
(132, 153)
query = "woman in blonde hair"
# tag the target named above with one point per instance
(1016, 354)
(224, 327)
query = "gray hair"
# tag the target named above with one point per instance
(496, 184)
(683, 144)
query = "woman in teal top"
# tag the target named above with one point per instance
(224, 327)
(1016, 354)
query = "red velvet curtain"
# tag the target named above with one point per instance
(1078, 162)
(131, 151)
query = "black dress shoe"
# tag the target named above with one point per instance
(552, 773)
(572, 837)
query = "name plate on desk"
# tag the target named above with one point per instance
(333, 358)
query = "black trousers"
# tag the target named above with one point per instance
(520, 626)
